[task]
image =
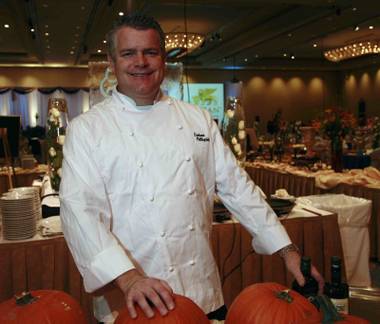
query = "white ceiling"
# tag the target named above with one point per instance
(254, 33)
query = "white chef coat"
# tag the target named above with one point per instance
(137, 191)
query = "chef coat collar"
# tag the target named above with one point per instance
(127, 103)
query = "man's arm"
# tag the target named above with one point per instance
(244, 199)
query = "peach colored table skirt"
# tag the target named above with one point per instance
(47, 264)
(270, 180)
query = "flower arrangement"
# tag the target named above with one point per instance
(374, 126)
(55, 138)
(234, 128)
(335, 124)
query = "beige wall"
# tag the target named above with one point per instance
(38, 77)
(365, 84)
(300, 94)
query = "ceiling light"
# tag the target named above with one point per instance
(353, 50)
(246, 60)
(370, 27)
(356, 28)
(293, 57)
(354, 9)
(32, 30)
(290, 35)
(180, 44)
(99, 50)
(72, 52)
(6, 26)
(46, 34)
(315, 45)
(104, 41)
(121, 13)
(285, 55)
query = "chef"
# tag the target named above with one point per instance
(140, 172)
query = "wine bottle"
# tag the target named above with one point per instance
(337, 290)
(310, 289)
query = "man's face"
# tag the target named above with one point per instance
(138, 64)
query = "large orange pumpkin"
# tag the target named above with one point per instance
(268, 303)
(185, 312)
(42, 307)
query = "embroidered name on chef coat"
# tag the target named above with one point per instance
(201, 137)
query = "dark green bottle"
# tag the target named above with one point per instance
(310, 289)
(337, 290)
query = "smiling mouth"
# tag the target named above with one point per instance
(140, 74)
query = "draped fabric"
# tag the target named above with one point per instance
(32, 104)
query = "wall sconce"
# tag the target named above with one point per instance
(352, 50)
(180, 44)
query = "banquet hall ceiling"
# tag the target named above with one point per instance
(239, 33)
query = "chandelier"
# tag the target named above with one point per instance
(353, 50)
(180, 44)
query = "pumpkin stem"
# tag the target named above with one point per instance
(284, 295)
(25, 298)
(330, 314)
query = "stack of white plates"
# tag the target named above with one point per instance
(35, 191)
(19, 214)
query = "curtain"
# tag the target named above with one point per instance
(6, 102)
(32, 104)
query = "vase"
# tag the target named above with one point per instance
(234, 129)
(337, 154)
(57, 122)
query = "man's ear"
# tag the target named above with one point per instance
(111, 63)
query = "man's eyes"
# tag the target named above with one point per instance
(148, 53)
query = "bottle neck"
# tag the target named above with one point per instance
(336, 274)
(306, 268)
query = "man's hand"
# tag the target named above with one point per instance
(145, 292)
(293, 264)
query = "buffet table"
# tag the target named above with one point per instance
(42, 263)
(269, 180)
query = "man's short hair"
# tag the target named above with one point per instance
(137, 21)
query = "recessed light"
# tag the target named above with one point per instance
(32, 30)
(315, 45)
(6, 26)
(46, 26)
(356, 28)
(104, 41)
(72, 52)
(371, 27)
(257, 55)
(246, 60)
(293, 57)
(121, 13)
(285, 55)
(354, 9)
(99, 50)
(290, 35)
(46, 34)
